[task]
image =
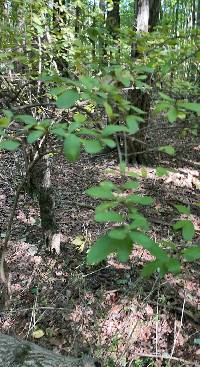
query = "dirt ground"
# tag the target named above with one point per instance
(106, 310)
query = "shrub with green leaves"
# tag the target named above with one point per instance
(122, 210)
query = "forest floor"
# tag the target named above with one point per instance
(106, 310)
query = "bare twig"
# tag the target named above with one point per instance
(157, 319)
(179, 330)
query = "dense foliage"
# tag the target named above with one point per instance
(116, 59)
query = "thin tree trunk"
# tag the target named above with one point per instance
(77, 21)
(176, 18)
(59, 19)
(136, 96)
(147, 17)
(40, 184)
(113, 26)
(198, 14)
(93, 41)
(193, 13)
(102, 50)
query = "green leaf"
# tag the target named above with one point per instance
(192, 253)
(181, 115)
(187, 227)
(140, 222)
(131, 185)
(109, 142)
(124, 77)
(182, 209)
(149, 268)
(165, 97)
(106, 246)
(73, 126)
(150, 245)
(108, 185)
(89, 82)
(92, 146)
(58, 90)
(194, 107)
(4, 122)
(108, 109)
(138, 110)
(173, 266)
(84, 131)
(100, 192)
(118, 233)
(59, 131)
(109, 216)
(9, 145)
(172, 114)
(67, 99)
(105, 206)
(169, 265)
(167, 149)
(161, 171)
(27, 119)
(197, 341)
(72, 147)
(162, 106)
(132, 124)
(34, 136)
(79, 117)
(112, 129)
(141, 200)
(8, 114)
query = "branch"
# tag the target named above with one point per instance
(3, 266)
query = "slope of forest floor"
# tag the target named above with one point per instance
(106, 310)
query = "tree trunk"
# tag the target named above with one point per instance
(102, 50)
(136, 96)
(154, 13)
(93, 41)
(193, 13)
(198, 14)
(77, 21)
(113, 26)
(40, 184)
(147, 17)
(59, 19)
(176, 18)
(20, 353)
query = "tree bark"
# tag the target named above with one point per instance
(77, 21)
(40, 184)
(59, 19)
(102, 49)
(136, 96)
(198, 14)
(20, 353)
(147, 17)
(113, 27)
(154, 13)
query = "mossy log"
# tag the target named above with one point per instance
(21, 353)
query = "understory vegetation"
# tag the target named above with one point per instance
(99, 180)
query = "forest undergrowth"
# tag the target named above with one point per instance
(106, 310)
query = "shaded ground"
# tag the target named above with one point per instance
(105, 310)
